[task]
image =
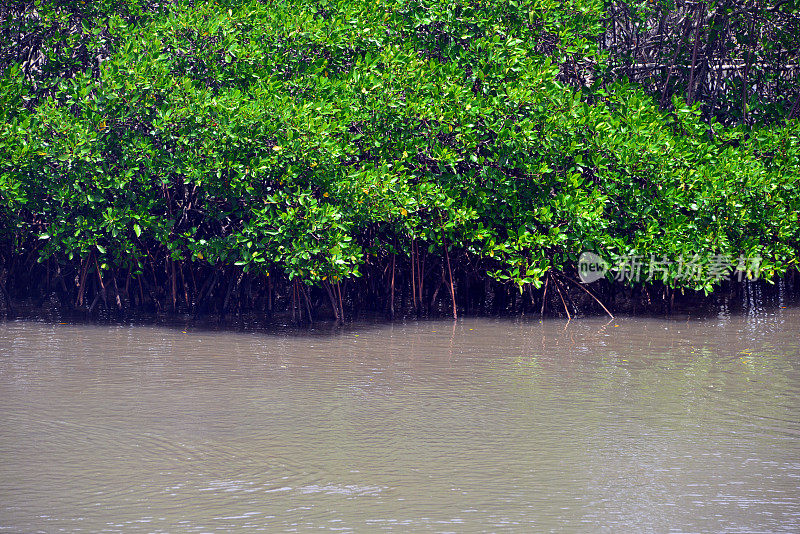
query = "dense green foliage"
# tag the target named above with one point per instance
(322, 141)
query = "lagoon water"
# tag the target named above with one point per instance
(637, 425)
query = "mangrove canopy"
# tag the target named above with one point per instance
(391, 155)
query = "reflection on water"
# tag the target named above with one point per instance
(634, 425)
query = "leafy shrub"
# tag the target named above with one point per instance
(319, 139)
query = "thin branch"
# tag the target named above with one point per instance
(589, 293)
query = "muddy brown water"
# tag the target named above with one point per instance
(633, 425)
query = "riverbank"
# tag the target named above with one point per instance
(253, 305)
